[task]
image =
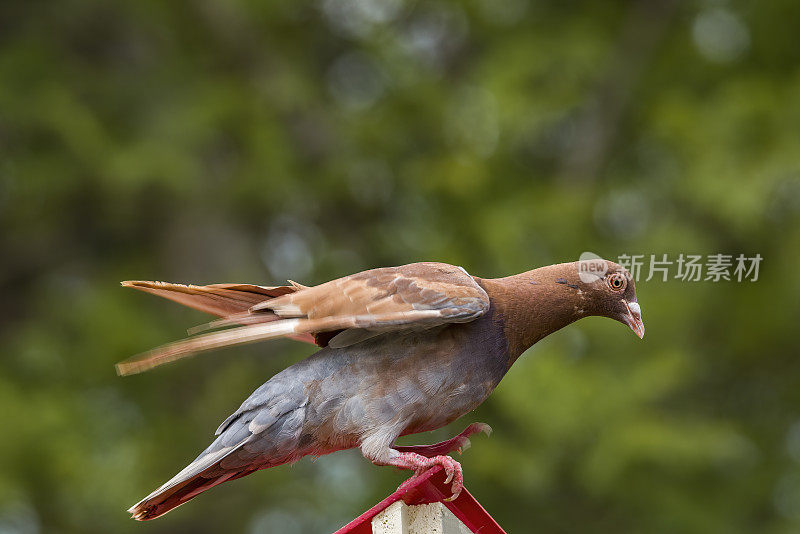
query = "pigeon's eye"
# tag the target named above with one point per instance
(616, 282)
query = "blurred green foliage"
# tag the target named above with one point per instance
(206, 141)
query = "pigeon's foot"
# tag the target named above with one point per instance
(459, 443)
(419, 464)
(420, 458)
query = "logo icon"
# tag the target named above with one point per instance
(591, 267)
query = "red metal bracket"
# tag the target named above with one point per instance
(427, 488)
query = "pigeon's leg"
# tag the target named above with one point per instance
(416, 462)
(458, 443)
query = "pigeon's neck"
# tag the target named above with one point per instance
(534, 304)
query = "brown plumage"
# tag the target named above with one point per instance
(404, 350)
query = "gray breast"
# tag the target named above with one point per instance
(417, 381)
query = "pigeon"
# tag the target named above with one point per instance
(403, 350)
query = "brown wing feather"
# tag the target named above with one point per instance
(417, 286)
(419, 295)
(232, 302)
(217, 299)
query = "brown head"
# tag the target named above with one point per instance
(537, 303)
(608, 290)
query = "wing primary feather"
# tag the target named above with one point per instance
(216, 340)
(240, 319)
(262, 332)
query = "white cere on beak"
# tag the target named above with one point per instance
(635, 308)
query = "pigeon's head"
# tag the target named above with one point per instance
(611, 292)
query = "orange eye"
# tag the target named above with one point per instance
(616, 282)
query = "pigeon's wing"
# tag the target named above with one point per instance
(217, 299)
(232, 302)
(346, 311)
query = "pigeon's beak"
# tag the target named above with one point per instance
(633, 317)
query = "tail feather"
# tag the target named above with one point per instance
(159, 504)
(202, 474)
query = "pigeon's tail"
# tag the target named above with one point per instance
(202, 474)
(162, 501)
(258, 435)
